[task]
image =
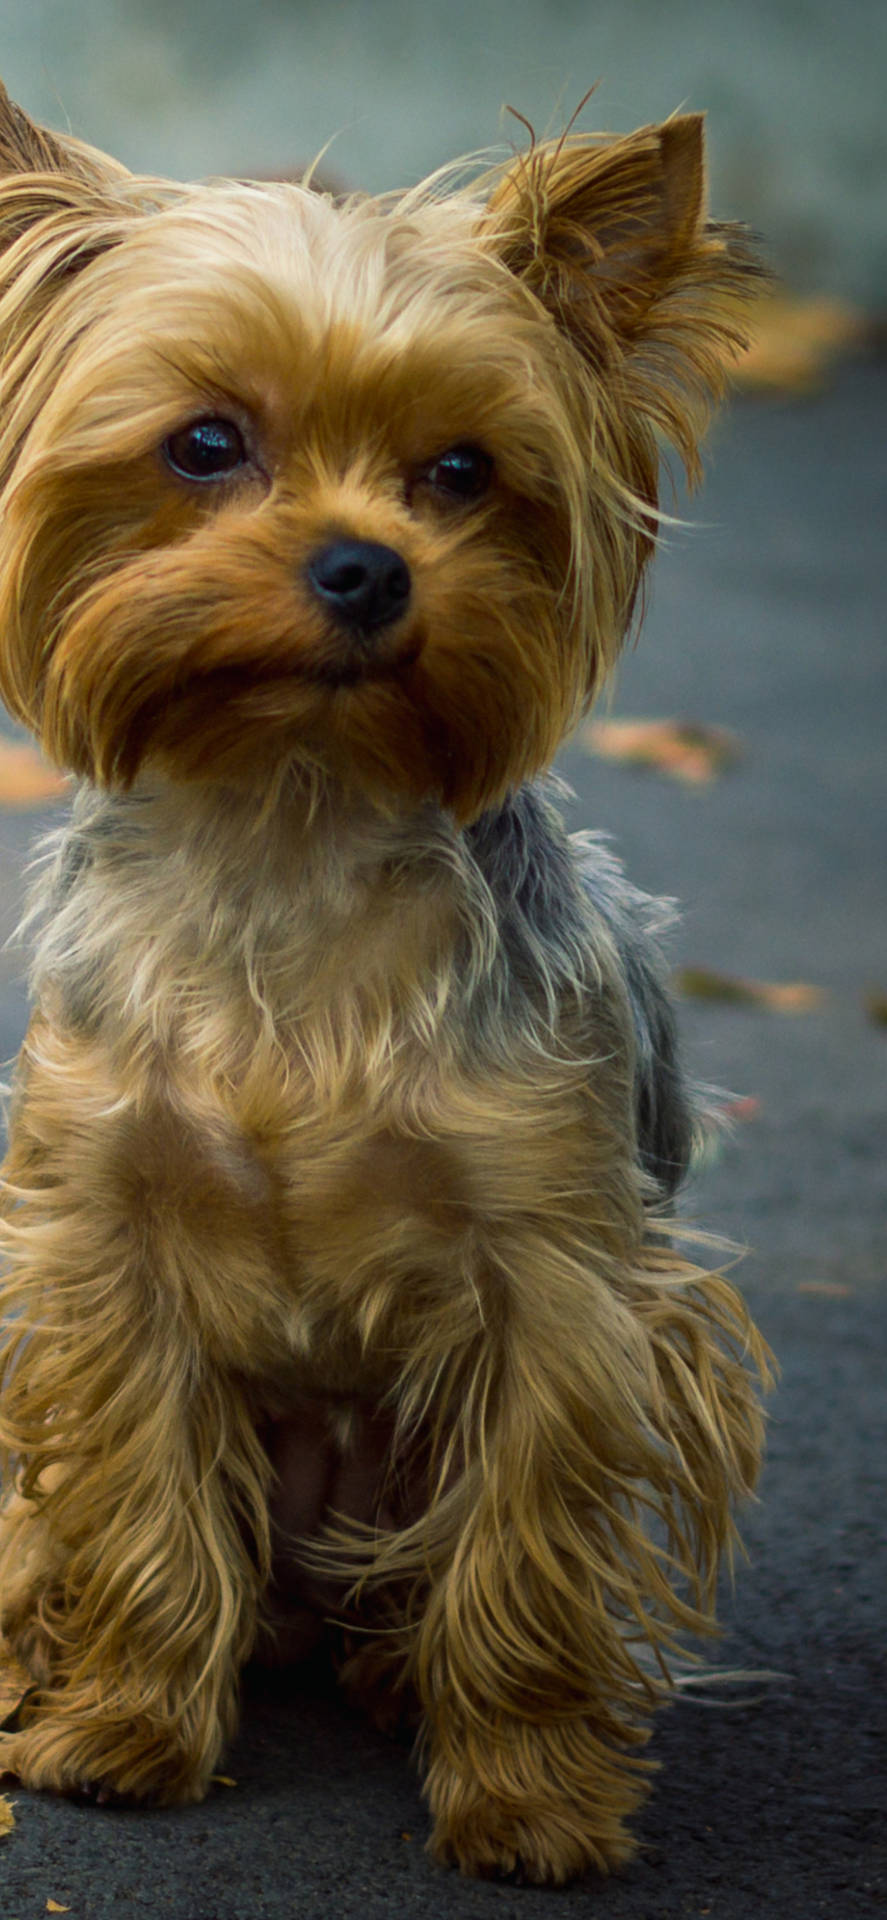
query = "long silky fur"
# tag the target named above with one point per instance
(349, 1075)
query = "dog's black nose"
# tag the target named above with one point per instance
(362, 584)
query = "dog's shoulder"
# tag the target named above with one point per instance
(570, 918)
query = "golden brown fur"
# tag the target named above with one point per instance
(300, 1129)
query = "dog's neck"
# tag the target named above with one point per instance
(307, 860)
(301, 901)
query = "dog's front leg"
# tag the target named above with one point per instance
(532, 1763)
(619, 1424)
(129, 1595)
(133, 1534)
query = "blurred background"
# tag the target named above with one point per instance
(795, 89)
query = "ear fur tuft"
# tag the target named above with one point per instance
(26, 147)
(611, 235)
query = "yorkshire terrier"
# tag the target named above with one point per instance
(340, 1269)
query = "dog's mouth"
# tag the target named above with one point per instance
(335, 664)
(364, 660)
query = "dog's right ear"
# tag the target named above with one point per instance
(43, 173)
(62, 205)
(26, 147)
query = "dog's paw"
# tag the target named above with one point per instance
(545, 1841)
(103, 1765)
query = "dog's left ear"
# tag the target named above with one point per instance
(611, 235)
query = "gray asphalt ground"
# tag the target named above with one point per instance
(768, 619)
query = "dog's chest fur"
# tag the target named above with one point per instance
(316, 1069)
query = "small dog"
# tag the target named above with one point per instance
(338, 1273)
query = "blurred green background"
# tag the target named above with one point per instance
(795, 91)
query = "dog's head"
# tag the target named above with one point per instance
(368, 486)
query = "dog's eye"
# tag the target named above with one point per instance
(207, 450)
(463, 472)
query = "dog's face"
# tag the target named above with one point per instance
(369, 487)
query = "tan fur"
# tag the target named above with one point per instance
(264, 1150)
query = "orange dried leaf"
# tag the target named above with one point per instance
(222, 1780)
(7, 1817)
(789, 996)
(685, 749)
(827, 1289)
(52, 1906)
(25, 778)
(747, 1108)
(795, 340)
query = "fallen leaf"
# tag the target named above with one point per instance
(795, 340)
(25, 778)
(685, 749)
(52, 1906)
(15, 1685)
(876, 1008)
(790, 996)
(222, 1780)
(747, 1108)
(7, 1817)
(827, 1289)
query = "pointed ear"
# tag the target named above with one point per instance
(61, 205)
(26, 148)
(612, 237)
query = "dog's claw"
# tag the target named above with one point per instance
(97, 1793)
